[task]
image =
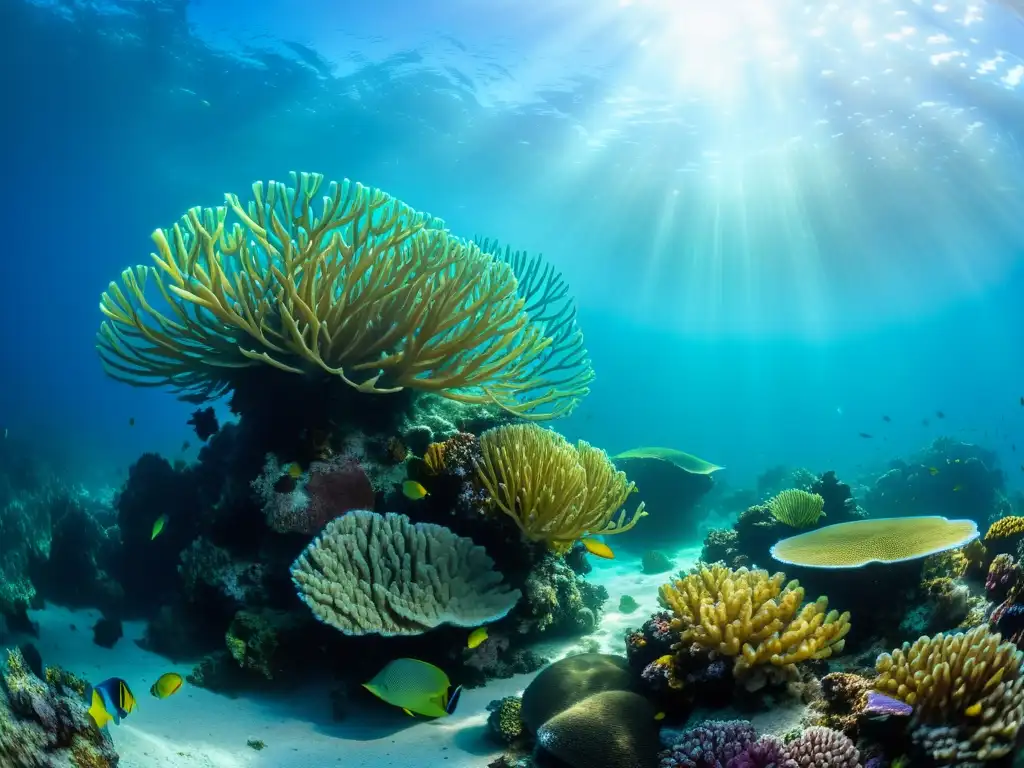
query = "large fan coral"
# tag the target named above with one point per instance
(967, 691)
(362, 288)
(756, 618)
(554, 491)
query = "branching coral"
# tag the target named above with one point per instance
(382, 574)
(548, 302)
(754, 617)
(967, 691)
(554, 491)
(797, 508)
(362, 288)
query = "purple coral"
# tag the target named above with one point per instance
(880, 705)
(819, 747)
(1003, 575)
(766, 752)
(712, 744)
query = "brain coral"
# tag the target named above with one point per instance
(360, 287)
(757, 618)
(879, 540)
(967, 691)
(382, 574)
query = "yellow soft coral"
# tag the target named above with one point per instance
(555, 492)
(361, 287)
(1005, 527)
(757, 618)
(967, 691)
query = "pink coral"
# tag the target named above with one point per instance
(327, 490)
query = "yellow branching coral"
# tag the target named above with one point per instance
(1005, 527)
(555, 492)
(358, 286)
(750, 615)
(967, 691)
(797, 508)
(433, 457)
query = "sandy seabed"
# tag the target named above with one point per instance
(196, 728)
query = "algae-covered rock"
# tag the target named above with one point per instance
(45, 724)
(571, 680)
(612, 729)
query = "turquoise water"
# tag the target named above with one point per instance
(793, 231)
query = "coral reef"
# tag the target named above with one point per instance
(382, 574)
(558, 601)
(45, 723)
(752, 617)
(967, 691)
(797, 508)
(554, 491)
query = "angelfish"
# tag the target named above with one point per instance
(416, 687)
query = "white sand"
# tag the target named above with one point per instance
(196, 728)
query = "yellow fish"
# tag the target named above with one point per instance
(476, 637)
(598, 548)
(414, 490)
(158, 526)
(660, 716)
(416, 687)
(110, 700)
(166, 685)
(933, 471)
(294, 471)
(974, 710)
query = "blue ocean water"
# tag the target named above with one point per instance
(793, 232)
(768, 253)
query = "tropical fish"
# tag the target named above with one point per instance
(940, 415)
(598, 548)
(933, 471)
(878, 705)
(110, 700)
(166, 685)
(476, 637)
(886, 418)
(293, 470)
(185, 446)
(416, 687)
(413, 490)
(131, 421)
(659, 716)
(865, 435)
(158, 526)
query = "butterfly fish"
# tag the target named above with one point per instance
(108, 701)
(416, 687)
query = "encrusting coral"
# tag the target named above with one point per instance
(382, 574)
(362, 288)
(554, 491)
(752, 616)
(875, 540)
(797, 508)
(967, 691)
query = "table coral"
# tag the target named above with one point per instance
(756, 618)
(967, 691)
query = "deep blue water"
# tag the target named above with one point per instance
(767, 257)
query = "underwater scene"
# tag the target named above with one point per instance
(505, 384)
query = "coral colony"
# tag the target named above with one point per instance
(386, 493)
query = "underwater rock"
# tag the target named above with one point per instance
(571, 680)
(107, 631)
(557, 601)
(505, 723)
(655, 561)
(627, 604)
(612, 729)
(45, 723)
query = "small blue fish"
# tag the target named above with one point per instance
(881, 706)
